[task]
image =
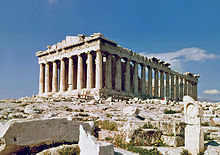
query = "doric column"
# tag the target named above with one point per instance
(181, 88)
(80, 73)
(70, 78)
(118, 74)
(47, 78)
(55, 78)
(143, 79)
(156, 82)
(167, 85)
(185, 87)
(109, 71)
(161, 84)
(127, 77)
(89, 84)
(62, 75)
(149, 81)
(135, 78)
(99, 70)
(172, 87)
(42, 79)
(189, 88)
(194, 90)
(177, 89)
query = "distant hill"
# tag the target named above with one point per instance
(204, 99)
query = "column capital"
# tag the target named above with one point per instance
(149, 67)
(117, 57)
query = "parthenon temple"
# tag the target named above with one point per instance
(100, 67)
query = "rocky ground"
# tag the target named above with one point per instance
(145, 124)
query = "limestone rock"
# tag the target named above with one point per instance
(61, 150)
(131, 110)
(212, 150)
(89, 145)
(19, 134)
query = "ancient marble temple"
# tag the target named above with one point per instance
(98, 66)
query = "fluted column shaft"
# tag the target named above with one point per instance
(194, 90)
(177, 88)
(99, 69)
(135, 78)
(127, 77)
(149, 81)
(62, 75)
(47, 78)
(172, 87)
(143, 79)
(155, 82)
(118, 85)
(109, 72)
(161, 84)
(42, 79)
(89, 83)
(70, 78)
(80, 73)
(55, 78)
(181, 88)
(167, 85)
(185, 87)
(189, 88)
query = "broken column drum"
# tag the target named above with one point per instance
(100, 66)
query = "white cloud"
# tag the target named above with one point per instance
(178, 58)
(211, 92)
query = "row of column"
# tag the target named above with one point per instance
(54, 77)
(51, 80)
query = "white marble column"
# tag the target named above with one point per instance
(99, 73)
(161, 84)
(89, 84)
(190, 88)
(149, 81)
(127, 77)
(185, 87)
(80, 73)
(143, 79)
(177, 89)
(172, 87)
(109, 71)
(55, 78)
(47, 78)
(156, 82)
(167, 85)
(118, 85)
(135, 83)
(42, 79)
(62, 75)
(70, 76)
(194, 88)
(181, 88)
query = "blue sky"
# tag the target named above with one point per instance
(185, 33)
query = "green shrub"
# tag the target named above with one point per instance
(107, 125)
(205, 124)
(70, 151)
(167, 111)
(185, 152)
(142, 151)
(149, 126)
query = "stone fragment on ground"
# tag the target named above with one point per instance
(88, 144)
(63, 149)
(16, 135)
